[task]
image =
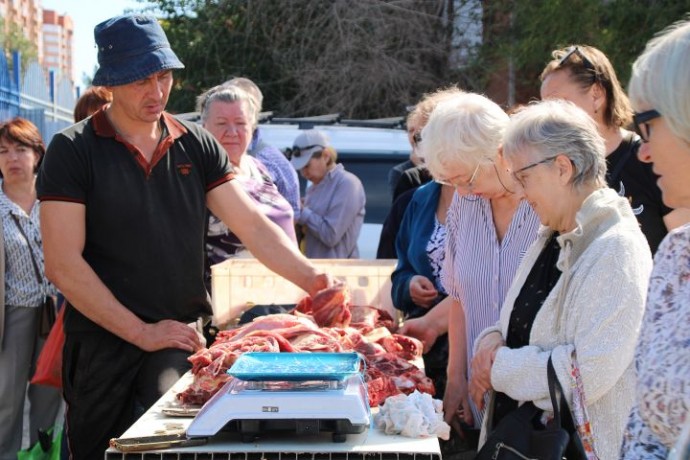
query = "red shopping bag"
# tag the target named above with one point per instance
(49, 364)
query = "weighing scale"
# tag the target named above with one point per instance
(302, 393)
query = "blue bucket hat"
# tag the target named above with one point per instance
(130, 48)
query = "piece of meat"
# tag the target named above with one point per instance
(331, 307)
(368, 317)
(379, 386)
(404, 346)
(278, 321)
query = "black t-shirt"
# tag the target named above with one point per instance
(636, 181)
(145, 222)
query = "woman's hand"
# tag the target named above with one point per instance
(421, 329)
(482, 362)
(422, 291)
(456, 403)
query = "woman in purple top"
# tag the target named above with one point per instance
(489, 228)
(229, 113)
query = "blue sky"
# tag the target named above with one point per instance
(85, 15)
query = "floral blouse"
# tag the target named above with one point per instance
(663, 355)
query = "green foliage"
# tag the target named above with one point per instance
(12, 38)
(371, 58)
(620, 28)
(361, 59)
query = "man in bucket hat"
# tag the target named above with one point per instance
(123, 208)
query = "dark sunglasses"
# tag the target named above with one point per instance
(586, 63)
(642, 119)
(296, 152)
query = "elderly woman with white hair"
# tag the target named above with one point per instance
(231, 115)
(660, 95)
(578, 297)
(488, 229)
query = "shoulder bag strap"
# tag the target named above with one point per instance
(37, 272)
(555, 391)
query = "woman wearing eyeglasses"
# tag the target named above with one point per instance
(584, 76)
(578, 295)
(659, 93)
(230, 114)
(488, 229)
(333, 211)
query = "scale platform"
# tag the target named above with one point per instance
(302, 393)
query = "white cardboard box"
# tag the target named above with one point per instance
(238, 284)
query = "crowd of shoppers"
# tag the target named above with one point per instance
(532, 245)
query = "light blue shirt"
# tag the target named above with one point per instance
(333, 215)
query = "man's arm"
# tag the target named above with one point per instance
(265, 240)
(63, 232)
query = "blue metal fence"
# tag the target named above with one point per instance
(45, 101)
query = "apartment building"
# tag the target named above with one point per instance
(58, 33)
(52, 33)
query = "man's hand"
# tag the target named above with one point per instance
(168, 334)
(420, 329)
(320, 282)
(422, 291)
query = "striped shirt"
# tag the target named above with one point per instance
(21, 286)
(479, 269)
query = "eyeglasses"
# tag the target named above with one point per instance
(416, 138)
(586, 63)
(521, 180)
(296, 152)
(466, 186)
(642, 119)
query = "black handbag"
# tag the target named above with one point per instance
(518, 436)
(48, 308)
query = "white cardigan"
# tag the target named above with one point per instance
(605, 264)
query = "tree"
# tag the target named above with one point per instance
(363, 58)
(13, 39)
(525, 33)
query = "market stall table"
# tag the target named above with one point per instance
(370, 445)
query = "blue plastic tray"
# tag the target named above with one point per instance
(295, 366)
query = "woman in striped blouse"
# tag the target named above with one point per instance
(488, 230)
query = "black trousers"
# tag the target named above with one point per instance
(108, 383)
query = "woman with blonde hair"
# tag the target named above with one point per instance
(488, 229)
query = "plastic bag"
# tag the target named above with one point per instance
(49, 363)
(47, 448)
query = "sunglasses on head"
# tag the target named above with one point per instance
(296, 152)
(586, 63)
